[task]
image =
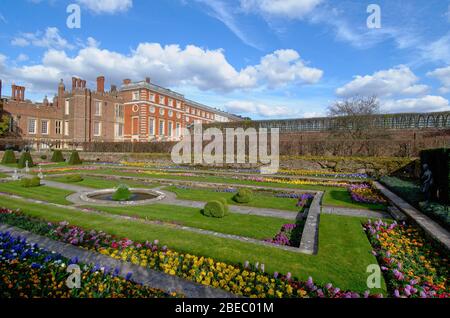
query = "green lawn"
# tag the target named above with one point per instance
(344, 251)
(3, 175)
(259, 200)
(238, 224)
(102, 183)
(43, 193)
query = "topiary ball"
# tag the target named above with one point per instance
(122, 193)
(9, 157)
(214, 209)
(73, 178)
(30, 182)
(243, 196)
(224, 202)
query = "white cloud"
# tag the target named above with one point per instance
(443, 75)
(107, 6)
(429, 103)
(168, 66)
(438, 50)
(22, 57)
(292, 9)
(399, 80)
(258, 109)
(49, 39)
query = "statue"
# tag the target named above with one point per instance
(27, 168)
(15, 176)
(40, 174)
(427, 182)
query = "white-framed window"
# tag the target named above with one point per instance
(170, 129)
(187, 118)
(151, 109)
(207, 115)
(162, 99)
(151, 126)
(66, 107)
(98, 108)
(66, 127)
(203, 114)
(178, 115)
(118, 108)
(178, 130)
(118, 130)
(187, 109)
(170, 102)
(178, 104)
(152, 97)
(58, 127)
(161, 111)
(198, 112)
(136, 95)
(97, 128)
(32, 126)
(192, 111)
(161, 128)
(170, 113)
(44, 127)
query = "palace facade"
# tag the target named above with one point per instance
(137, 111)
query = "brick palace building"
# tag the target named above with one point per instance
(138, 111)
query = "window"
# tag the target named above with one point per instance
(161, 111)
(170, 102)
(178, 115)
(119, 111)
(32, 126)
(161, 128)
(178, 104)
(151, 109)
(58, 127)
(161, 99)
(67, 107)
(44, 127)
(151, 126)
(66, 128)
(170, 128)
(152, 97)
(187, 118)
(192, 111)
(136, 95)
(170, 113)
(98, 108)
(187, 109)
(178, 130)
(203, 114)
(119, 130)
(97, 128)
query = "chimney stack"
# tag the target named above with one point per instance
(61, 88)
(74, 83)
(126, 81)
(147, 79)
(113, 88)
(101, 84)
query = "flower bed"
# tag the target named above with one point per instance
(289, 235)
(365, 193)
(27, 271)
(412, 265)
(322, 173)
(248, 280)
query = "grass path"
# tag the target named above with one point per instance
(344, 251)
(43, 193)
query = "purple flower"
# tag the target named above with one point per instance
(128, 276)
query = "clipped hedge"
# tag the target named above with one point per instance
(57, 156)
(75, 158)
(30, 182)
(439, 162)
(224, 202)
(73, 178)
(9, 157)
(24, 157)
(243, 196)
(214, 209)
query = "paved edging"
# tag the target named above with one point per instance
(432, 228)
(309, 243)
(355, 212)
(140, 275)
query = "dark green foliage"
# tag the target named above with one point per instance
(408, 190)
(44, 157)
(75, 158)
(30, 183)
(73, 178)
(214, 209)
(57, 156)
(122, 193)
(9, 157)
(243, 196)
(24, 157)
(439, 162)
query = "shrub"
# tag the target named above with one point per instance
(75, 158)
(24, 157)
(243, 196)
(9, 157)
(224, 202)
(73, 178)
(30, 182)
(57, 156)
(122, 193)
(44, 157)
(214, 209)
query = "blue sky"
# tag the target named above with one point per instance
(259, 58)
